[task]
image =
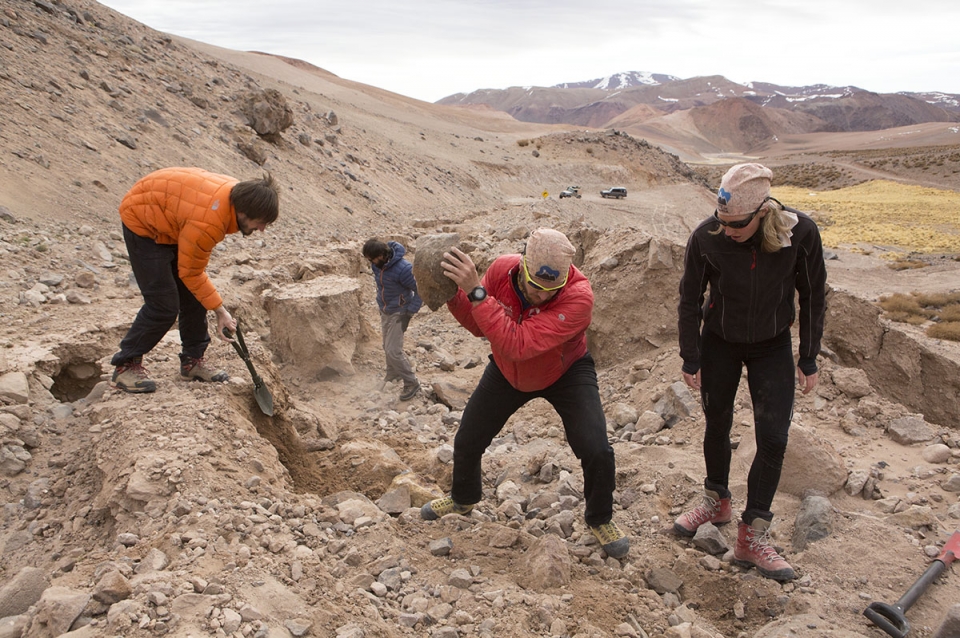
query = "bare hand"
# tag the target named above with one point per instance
(692, 380)
(458, 266)
(807, 382)
(225, 320)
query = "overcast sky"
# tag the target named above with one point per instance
(429, 49)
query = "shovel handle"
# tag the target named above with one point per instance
(889, 618)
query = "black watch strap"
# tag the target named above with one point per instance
(477, 294)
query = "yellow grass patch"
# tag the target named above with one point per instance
(917, 309)
(884, 214)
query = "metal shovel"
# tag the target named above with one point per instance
(891, 618)
(260, 391)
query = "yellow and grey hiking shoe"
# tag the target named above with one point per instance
(440, 507)
(193, 369)
(132, 377)
(614, 542)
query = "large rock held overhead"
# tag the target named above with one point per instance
(434, 287)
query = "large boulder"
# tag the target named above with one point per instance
(56, 611)
(433, 286)
(810, 465)
(315, 325)
(546, 565)
(15, 387)
(22, 591)
(267, 113)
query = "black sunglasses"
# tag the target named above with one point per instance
(743, 223)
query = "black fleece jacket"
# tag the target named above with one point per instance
(752, 292)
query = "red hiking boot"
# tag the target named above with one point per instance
(753, 549)
(714, 510)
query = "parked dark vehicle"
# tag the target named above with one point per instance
(617, 192)
(572, 191)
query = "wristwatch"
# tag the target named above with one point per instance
(477, 294)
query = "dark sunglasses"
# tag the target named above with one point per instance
(743, 223)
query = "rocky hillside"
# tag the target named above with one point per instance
(189, 512)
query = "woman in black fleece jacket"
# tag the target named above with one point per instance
(755, 255)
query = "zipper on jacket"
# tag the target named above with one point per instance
(754, 295)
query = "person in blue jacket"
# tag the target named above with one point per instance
(398, 301)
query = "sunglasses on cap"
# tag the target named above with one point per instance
(535, 285)
(743, 223)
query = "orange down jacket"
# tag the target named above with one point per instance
(191, 208)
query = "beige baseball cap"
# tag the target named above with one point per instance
(743, 188)
(549, 255)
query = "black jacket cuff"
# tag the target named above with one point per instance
(807, 366)
(692, 367)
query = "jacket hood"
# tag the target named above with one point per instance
(398, 252)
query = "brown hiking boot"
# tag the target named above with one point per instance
(753, 549)
(192, 369)
(714, 510)
(132, 377)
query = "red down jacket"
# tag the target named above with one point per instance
(191, 208)
(532, 347)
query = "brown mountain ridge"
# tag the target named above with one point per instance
(815, 109)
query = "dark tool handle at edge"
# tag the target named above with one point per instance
(883, 616)
(916, 590)
(878, 612)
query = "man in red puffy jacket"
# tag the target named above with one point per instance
(534, 309)
(172, 219)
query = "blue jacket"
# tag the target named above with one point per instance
(396, 287)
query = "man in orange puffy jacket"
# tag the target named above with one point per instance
(172, 219)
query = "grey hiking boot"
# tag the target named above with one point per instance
(132, 377)
(410, 391)
(192, 369)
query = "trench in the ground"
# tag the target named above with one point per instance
(311, 472)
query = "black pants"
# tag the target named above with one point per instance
(576, 398)
(165, 299)
(770, 377)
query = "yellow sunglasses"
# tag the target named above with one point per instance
(533, 284)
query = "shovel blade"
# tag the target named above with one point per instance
(951, 549)
(264, 399)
